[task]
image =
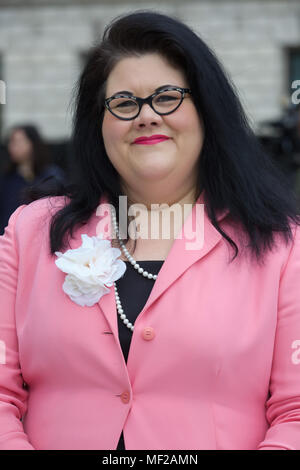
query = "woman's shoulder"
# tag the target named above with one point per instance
(28, 217)
(45, 204)
(282, 248)
(286, 248)
(27, 231)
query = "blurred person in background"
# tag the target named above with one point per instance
(29, 164)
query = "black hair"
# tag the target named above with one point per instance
(40, 151)
(234, 171)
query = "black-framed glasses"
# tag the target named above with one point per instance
(164, 101)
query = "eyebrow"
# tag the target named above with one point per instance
(130, 92)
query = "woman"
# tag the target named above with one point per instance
(159, 344)
(29, 164)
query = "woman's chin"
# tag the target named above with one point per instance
(153, 173)
(153, 168)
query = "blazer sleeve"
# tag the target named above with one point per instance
(13, 397)
(283, 405)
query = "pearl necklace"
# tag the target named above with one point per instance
(136, 266)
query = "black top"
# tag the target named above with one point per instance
(134, 290)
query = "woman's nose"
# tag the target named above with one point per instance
(147, 116)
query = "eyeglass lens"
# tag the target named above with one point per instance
(163, 102)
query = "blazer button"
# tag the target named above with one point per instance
(125, 397)
(148, 333)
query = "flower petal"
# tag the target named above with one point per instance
(90, 268)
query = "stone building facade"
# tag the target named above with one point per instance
(42, 45)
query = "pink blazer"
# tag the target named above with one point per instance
(222, 370)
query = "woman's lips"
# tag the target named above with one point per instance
(151, 141)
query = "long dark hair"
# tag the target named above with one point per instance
(40, 152)
(234, 171)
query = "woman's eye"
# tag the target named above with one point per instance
(125, 104)
(162, 98)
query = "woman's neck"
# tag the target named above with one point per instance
(150, 203)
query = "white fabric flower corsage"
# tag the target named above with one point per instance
(91, 269)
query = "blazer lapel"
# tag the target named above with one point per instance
(180, 257)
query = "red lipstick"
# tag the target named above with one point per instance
(153, 139)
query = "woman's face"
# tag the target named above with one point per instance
(19, 147)
(165, 168)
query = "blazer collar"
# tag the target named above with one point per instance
(183, 253)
